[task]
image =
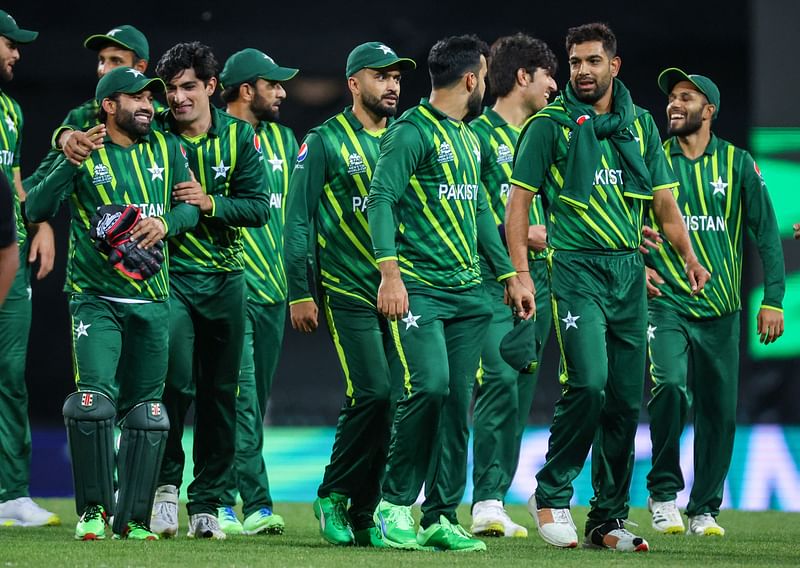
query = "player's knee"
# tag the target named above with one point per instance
(148, 415)
(89, 405)
(434, 390)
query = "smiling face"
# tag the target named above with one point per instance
(591, 71)
(687, 108)
(539, 90)
(133, 114)
(9, 55)
(189, 97)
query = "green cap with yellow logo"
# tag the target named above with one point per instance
(518, 346)
(375, 55)
(125, 80)
(126, 37)
(672, 76)
(10, 29)
(251, 64)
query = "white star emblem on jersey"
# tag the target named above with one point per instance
(81, 329)
(156, 173)
(135, 73)
(410, 320)
(10, 123)
(571, 321)
(651, 331)
(220, 170)
(385, 49)
(276, 164)
(719, 186)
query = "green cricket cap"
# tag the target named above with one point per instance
(670, 77)
(10, 29)
(375, 55)
(125, 80)
(518, 346)
(127, 37)
(251, 64)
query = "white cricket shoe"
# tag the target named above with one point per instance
(164, 518)
(705, 525)
(555, 526)
(24, 512)
(203, 525)
(489, 518)
(613, 535)
(666, 517)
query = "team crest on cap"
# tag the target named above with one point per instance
(385, 49)
(301, 155)
(582, 118)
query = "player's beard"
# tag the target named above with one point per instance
(6, 74)
(263, 111)
(126, 122)
(600, 89)
(474, 104)
(691, 124)
(376, 106)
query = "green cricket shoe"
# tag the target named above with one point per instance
(370, 537)
(263, 521)
(397, 526)
(136, 530)
(445, 535)
(334, 524)
(92, 524)
(228, 521)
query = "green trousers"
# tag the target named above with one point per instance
(206, 332)
(504, 396)
(263, 338)
(15, 432)
(711, 346)
(600, 308)
(367, 355)
(439, 343)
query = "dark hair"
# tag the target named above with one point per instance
(102, 115)
(595, 31)
(184, 56)
(453, 56)
(518, 51)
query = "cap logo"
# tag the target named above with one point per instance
(268, 58)
(301, 155)
(13, 21)
(385, 49)
(113, 32)
(135, 73)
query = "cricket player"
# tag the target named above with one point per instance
(9, 250)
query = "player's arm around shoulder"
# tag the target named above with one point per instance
(44, 198)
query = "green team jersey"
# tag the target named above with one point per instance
(498, 141)
(720, 193)
(10, 145)
(612, 220)
(143, 175)
(81, 117)
(427, 207)
(226, 161)
(263, 246)
(328, 199)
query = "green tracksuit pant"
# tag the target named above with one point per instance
(263, 338)
(504, 396)
(206, 332)
(600, 312)
(15, 432)
(439, 343)
(712, 347)
(367, 355)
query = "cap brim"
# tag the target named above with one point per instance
(403, 63)
(670, 77)
(21, 36)
(96, 42)
(280, 74)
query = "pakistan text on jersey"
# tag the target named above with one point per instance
(608, 177)
(460, 191)
(360, 203)
(151, 209)
(6, 158)
(705, 223)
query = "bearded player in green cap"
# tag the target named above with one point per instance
(207, 317)
(328, 199)
(597, 160)
(35, 242)
(121, 46)
(521, 70)
(721, 193)
(252, 89)
(122, 209)
(428, 216)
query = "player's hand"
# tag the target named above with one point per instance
(537, 238)
(652, 278)
(770, 325)
(796, 228)
(148, 231)
(192, 192)
(652, 240)
(77, 145)
(520, 297)
(392, 297)
(697, 274)
(304, 316)
(43, 249)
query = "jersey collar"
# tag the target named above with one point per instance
(675, 146)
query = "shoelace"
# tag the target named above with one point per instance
(401, 517)
(340, 514)
(137, 525)
(229, 515)
(93, 512)
(163, 510)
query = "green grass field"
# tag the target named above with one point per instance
(753, 539)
